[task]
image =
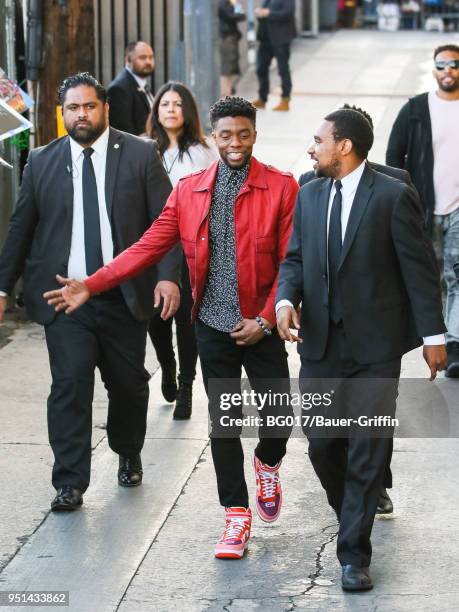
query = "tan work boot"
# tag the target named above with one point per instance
(259, 103)
(283, 105)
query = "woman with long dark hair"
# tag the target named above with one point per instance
(175, 125)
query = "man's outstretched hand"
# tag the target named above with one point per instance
(287, 319)
(436, 358)
(73, 295)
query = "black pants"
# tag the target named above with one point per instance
(266, 52)
(266, 367)
(352, 469)
(161, 334)
(102, 334)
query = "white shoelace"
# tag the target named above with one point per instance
(234, 526)
(268, 483)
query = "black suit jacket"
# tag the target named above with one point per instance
(397, 173)
(39, 237)
(388, 281)
(279, 28)
(129, 108)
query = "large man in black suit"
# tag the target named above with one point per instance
(129, 94)
(84, 199)
(362, 268)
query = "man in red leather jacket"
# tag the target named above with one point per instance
(234, 220)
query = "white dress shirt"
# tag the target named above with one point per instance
(141, 82)
(77, 258)
(349, 186)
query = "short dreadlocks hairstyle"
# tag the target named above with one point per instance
(232, 106)
(81, 78)
(352, 125)
(359, 110)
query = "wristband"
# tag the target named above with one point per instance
(266, 330)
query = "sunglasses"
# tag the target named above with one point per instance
(441, 64)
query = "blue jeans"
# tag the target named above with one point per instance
(446, 245)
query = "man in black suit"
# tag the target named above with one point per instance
(276, 30)
(84, 199)
(363, 270)
(385, 505)
(129, 94)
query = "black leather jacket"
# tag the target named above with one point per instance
(228, 19)
(410, 147)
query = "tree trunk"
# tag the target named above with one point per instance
(68, 41)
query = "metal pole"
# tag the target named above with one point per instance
(11, 72)
(201, 59)
(314, 17)
(311, 9)
(9, 179)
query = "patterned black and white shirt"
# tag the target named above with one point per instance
(220, 303)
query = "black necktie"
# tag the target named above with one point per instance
(92, 242)
(334, 254)
(148, 94)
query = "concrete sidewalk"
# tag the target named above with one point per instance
(150, 549)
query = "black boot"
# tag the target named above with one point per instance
(183, 404)
(452, 371)
(169, 381)
(385, 505)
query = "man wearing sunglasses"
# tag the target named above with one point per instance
(425, 141)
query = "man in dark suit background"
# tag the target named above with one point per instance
(363, 270)
(129, 94)
(276, 30)
(385, 505)
(84, 199)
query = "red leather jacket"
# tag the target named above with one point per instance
(263, 214)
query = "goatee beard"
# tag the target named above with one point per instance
(84, 136)
(449, 88)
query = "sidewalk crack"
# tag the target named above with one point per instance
(319, 567)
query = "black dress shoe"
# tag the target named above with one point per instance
(356, 578)
(130, 471)
(183, 404)
(385, 505)
(452, 370)
(67, 498)
(169, 381)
